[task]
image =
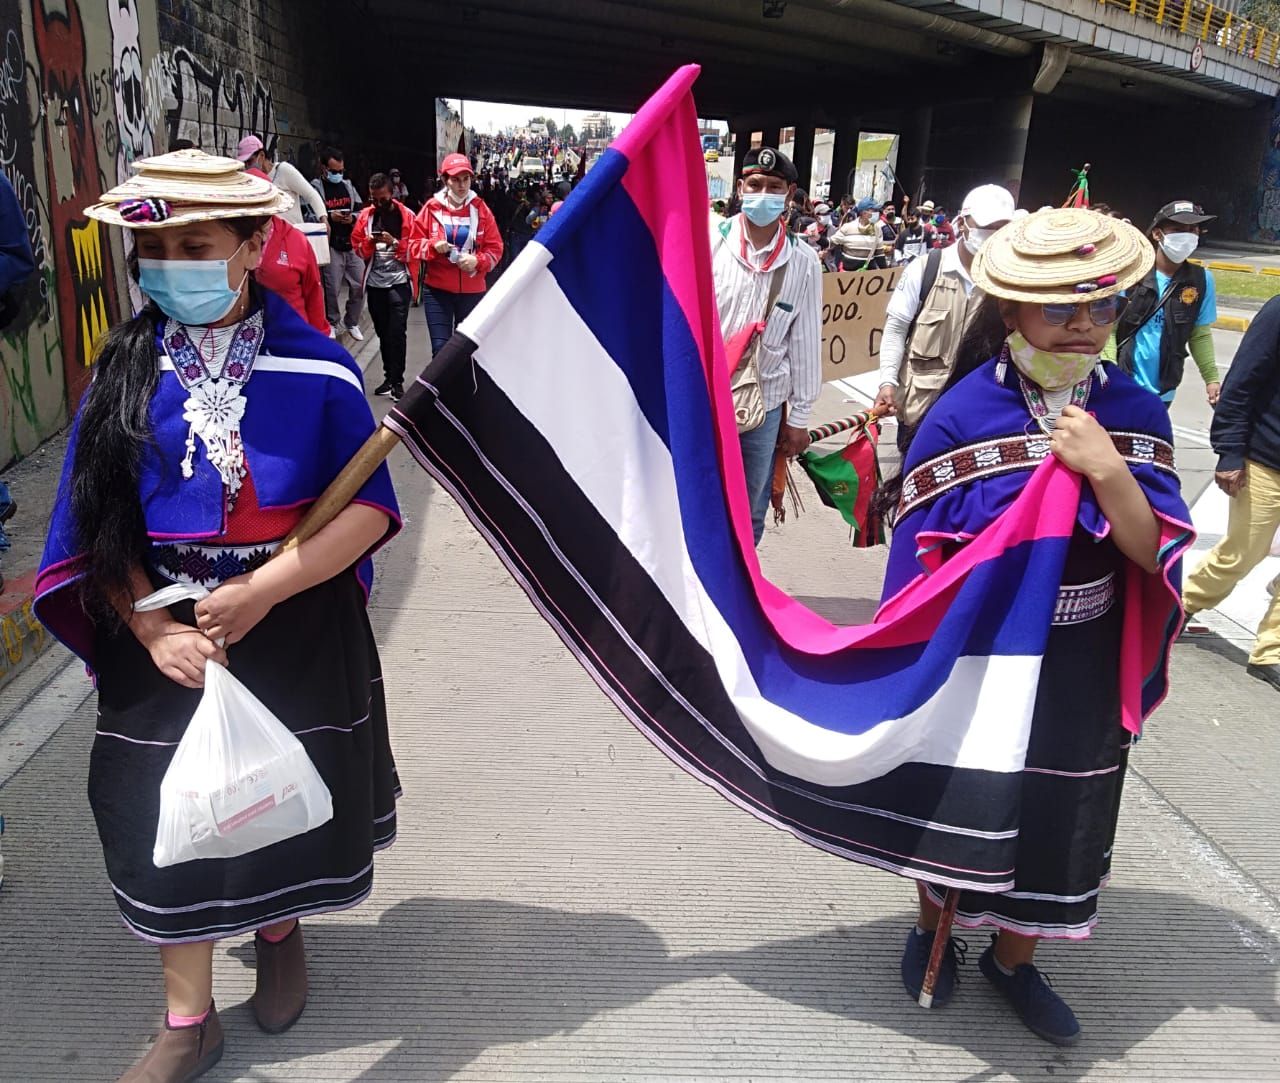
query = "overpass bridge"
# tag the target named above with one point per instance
(1164, 97)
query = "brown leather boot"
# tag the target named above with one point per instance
(281, 993)
(180, 1054)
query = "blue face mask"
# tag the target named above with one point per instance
(763, 208)
(191, 291)
(333, 178)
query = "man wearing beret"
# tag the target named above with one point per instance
(758, 265)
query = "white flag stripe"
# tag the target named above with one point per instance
(968, 723)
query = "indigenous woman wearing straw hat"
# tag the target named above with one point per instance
(216, 416)
(1028, 383)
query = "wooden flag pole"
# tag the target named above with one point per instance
(941, 938)
(343, 488)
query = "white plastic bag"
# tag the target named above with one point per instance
(1275, 544)
(239, 779)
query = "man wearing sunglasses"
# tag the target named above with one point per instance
(1172, 310)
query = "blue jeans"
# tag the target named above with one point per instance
(444, 311)
(758, 447)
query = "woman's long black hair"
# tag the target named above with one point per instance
(982, 340)
(114, 430)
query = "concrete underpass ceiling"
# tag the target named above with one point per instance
(610, 54)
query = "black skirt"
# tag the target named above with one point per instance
(1074, 774)
(313, 662)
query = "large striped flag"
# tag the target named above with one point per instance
(582, 419)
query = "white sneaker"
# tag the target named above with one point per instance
(356, 333)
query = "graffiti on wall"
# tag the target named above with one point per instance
(84, 93)
(215, 107)
(87, 301)
(77, 106)
(132, 120)
(32, 383)
(1268, 226)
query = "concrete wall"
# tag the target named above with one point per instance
(1266, 223)
(87, 86)
(1144, 157)
(271, 68)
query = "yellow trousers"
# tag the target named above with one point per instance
(1251, 526)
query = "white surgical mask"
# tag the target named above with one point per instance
(1179, 246)
(976, 238)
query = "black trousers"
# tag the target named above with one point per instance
(389, 308)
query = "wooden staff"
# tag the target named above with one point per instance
(941, 938)
(858, 421)
(343, 488)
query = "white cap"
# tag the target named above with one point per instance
(987, 204)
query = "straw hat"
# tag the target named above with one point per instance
(187, 186)
(1056, 256)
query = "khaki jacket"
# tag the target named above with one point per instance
(931, 351)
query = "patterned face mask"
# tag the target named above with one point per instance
(1051, 371)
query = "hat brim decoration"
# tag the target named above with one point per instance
(1058, 256)
(187, 186)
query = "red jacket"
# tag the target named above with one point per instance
(486, 246)
(289, 268)
(408, 247)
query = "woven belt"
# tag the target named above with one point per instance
(1081, 602)
(208, 565)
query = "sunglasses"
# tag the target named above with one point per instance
(1103, 312)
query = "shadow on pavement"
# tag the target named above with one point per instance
(842, 611)
(1154, 955)
(445, 979)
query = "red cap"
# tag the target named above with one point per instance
(454, 164)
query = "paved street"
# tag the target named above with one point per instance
(564, 904)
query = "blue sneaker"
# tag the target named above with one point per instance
(1030, 992)
(915, 961)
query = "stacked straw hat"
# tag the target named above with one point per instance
(187, 186)
(1060, 256)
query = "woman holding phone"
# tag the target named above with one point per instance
(341, 202)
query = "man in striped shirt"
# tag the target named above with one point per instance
(747, 251)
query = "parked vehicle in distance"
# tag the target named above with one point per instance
(711, 154)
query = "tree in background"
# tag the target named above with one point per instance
(568, 135)
(1265, 13)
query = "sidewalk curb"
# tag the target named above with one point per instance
(1232, 323)
(23, 638)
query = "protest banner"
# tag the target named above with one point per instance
(853, 308)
